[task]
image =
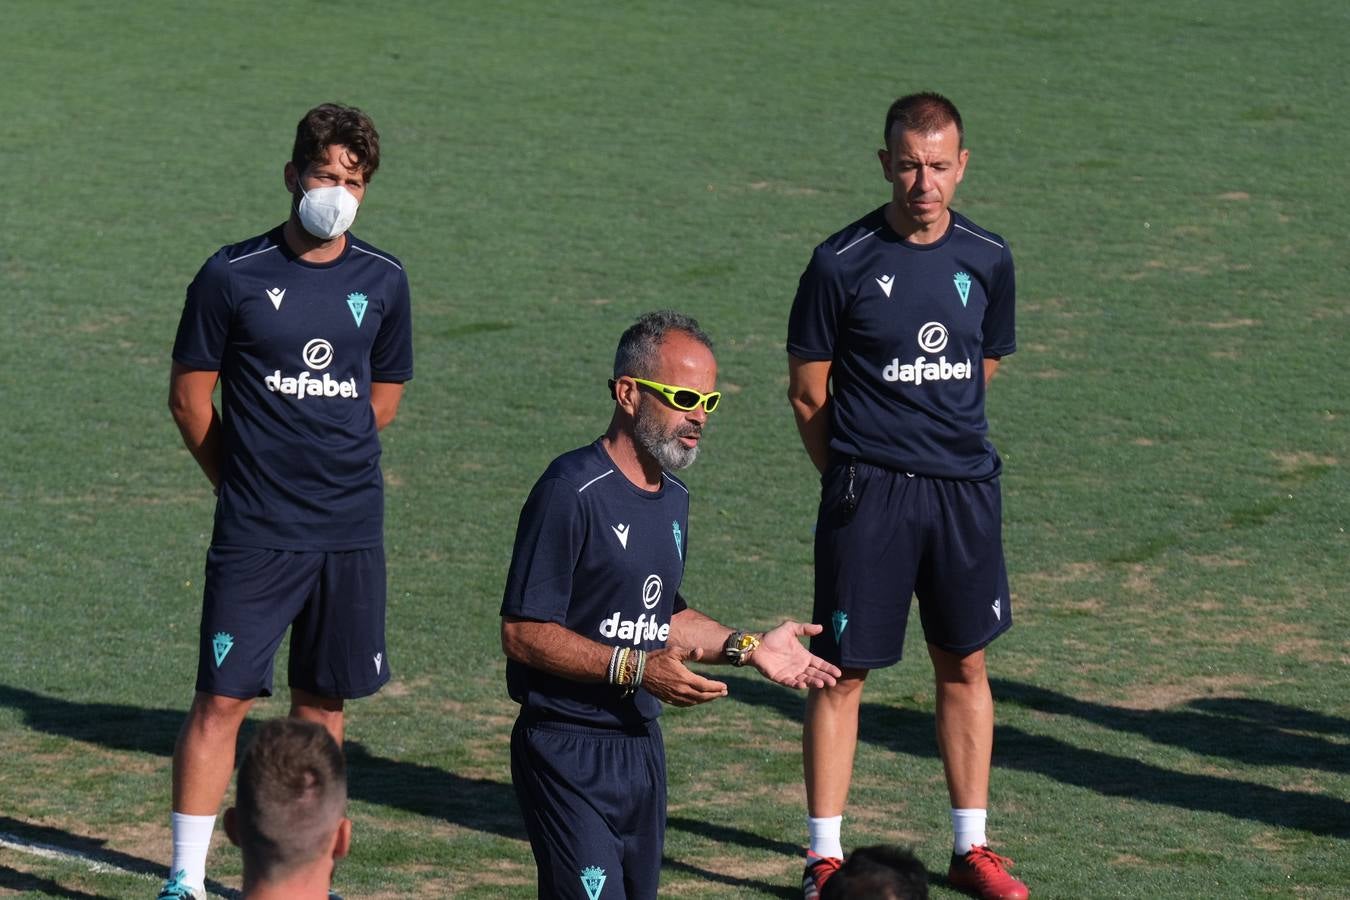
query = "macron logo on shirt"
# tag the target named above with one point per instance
(276, 295)
(621, 532)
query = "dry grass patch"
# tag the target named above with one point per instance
(1302, 459)
(1069, 573)
(1166, 695)
(1210, 561)
(1139, 579)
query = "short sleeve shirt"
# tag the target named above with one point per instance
(605, 559)
(906, 328)
(297, 346)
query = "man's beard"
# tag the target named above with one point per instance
(663, 445)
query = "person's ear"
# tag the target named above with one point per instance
(627, 394)
(342, 841)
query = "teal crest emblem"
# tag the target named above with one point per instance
(357, 304)
(593, 880)
(220, 646)
(962, 282)
(840, 623)
(679, 546)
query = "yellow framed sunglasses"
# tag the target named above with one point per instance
(681, 398)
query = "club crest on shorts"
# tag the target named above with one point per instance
(840, 623)
(357, 304)
(962, 282)
(220, 646)
(593, 880)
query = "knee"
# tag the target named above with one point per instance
(847, 690)
(325, 711)
(953, 669)
(327, 717)
(214, 713)
(305, 705)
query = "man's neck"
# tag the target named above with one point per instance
(923, 234)
(301, 886)
(634, 464)
(308, 247)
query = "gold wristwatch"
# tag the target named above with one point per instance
(739, 646)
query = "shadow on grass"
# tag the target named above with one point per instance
(1253, 732)
(90, 848)
(14, 880)
(748, 884)
(911, 732)
(474, 803)
(478, 804)
(726, 834)
(1273, 715)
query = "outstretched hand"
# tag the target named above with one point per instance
(669, 680)
(781, 658)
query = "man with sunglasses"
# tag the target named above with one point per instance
(899, 322)
(597, 634)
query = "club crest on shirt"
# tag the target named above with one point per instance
(962, 282)
(679, 548)
(357, 304)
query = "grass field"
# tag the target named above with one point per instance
(1174, 703)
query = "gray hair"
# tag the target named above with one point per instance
(641, 343)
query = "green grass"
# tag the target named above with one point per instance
(1173, 712)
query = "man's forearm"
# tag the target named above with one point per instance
(552, 648)
(691, 628)
(201, 436)
(813, 425)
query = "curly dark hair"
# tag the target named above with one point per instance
(332, 123)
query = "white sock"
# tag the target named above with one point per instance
(968, 827)
(824, 834)
(191, 841)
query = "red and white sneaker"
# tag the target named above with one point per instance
(818, 871)
(984, 874)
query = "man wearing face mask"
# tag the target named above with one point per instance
(308, 331)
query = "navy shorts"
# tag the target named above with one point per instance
(894, 536)
(594, 802)
(333, 602)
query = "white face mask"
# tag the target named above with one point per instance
(327, 212)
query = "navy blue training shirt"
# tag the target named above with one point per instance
(297, 345)
(603, 558)
(907, 327)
